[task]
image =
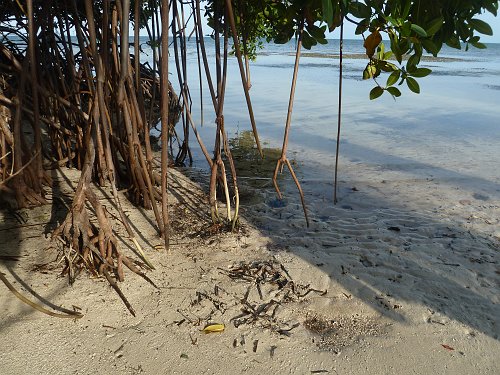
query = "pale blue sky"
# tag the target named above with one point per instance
(349, 30)
(487, 17)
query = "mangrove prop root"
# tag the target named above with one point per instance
(339, 118)
(89, 102)
(117, 289)
(283, 159)
(244, 78)
(68, 313)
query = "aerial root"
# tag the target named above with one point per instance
(279, 168)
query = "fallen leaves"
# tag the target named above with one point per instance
(212, 328)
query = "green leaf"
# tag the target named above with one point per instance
(434, 26)
(360, 10)
(413, 85)
(492, 8)
(479, 45)
(463, 30)
(316, 32)
(386, 66)
(421, 72)
(376, 92)
(381, 51)
(370, 71)
(394, 91)
(438, 43)
(327, 11)
(391, 20)
(419, 30)
(406, 9)
(393, 77)
(480, 26)
(362, 27)
(308, 41)
(395, 47)
(454, 42)
(430, 47)
(406, 29)
(412, 62)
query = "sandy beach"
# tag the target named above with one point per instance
(392, 268)
(401, 276)
(410, 270)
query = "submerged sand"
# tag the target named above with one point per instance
(410, 266)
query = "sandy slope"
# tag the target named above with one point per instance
(411, 269)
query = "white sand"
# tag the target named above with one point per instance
(411, 267)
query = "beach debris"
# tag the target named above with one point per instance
(286, 332)
(255, 344)
(264, 286)
(386, 303)
(395, 229)
(214, 327)
(271, 282)
(269, 272)
(119, 352)
(335, 333)
(365, 261)
(194, 340)
(272, 350)
(215, 300)
(447, 347)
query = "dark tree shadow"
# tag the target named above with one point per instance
(372, 246)
(24, 249)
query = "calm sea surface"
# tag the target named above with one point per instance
(452, 129)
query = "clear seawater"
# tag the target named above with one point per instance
(451, 129)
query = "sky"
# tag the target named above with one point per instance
(494, 22)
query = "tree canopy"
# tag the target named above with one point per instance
(413, 28)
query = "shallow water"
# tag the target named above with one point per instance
(450, 130)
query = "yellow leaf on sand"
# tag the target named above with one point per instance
(372, 42)
(211, 328)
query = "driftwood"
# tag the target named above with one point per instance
(281, 289)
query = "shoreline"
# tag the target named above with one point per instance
(362, 56)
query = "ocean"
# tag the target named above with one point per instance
(450, 130)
